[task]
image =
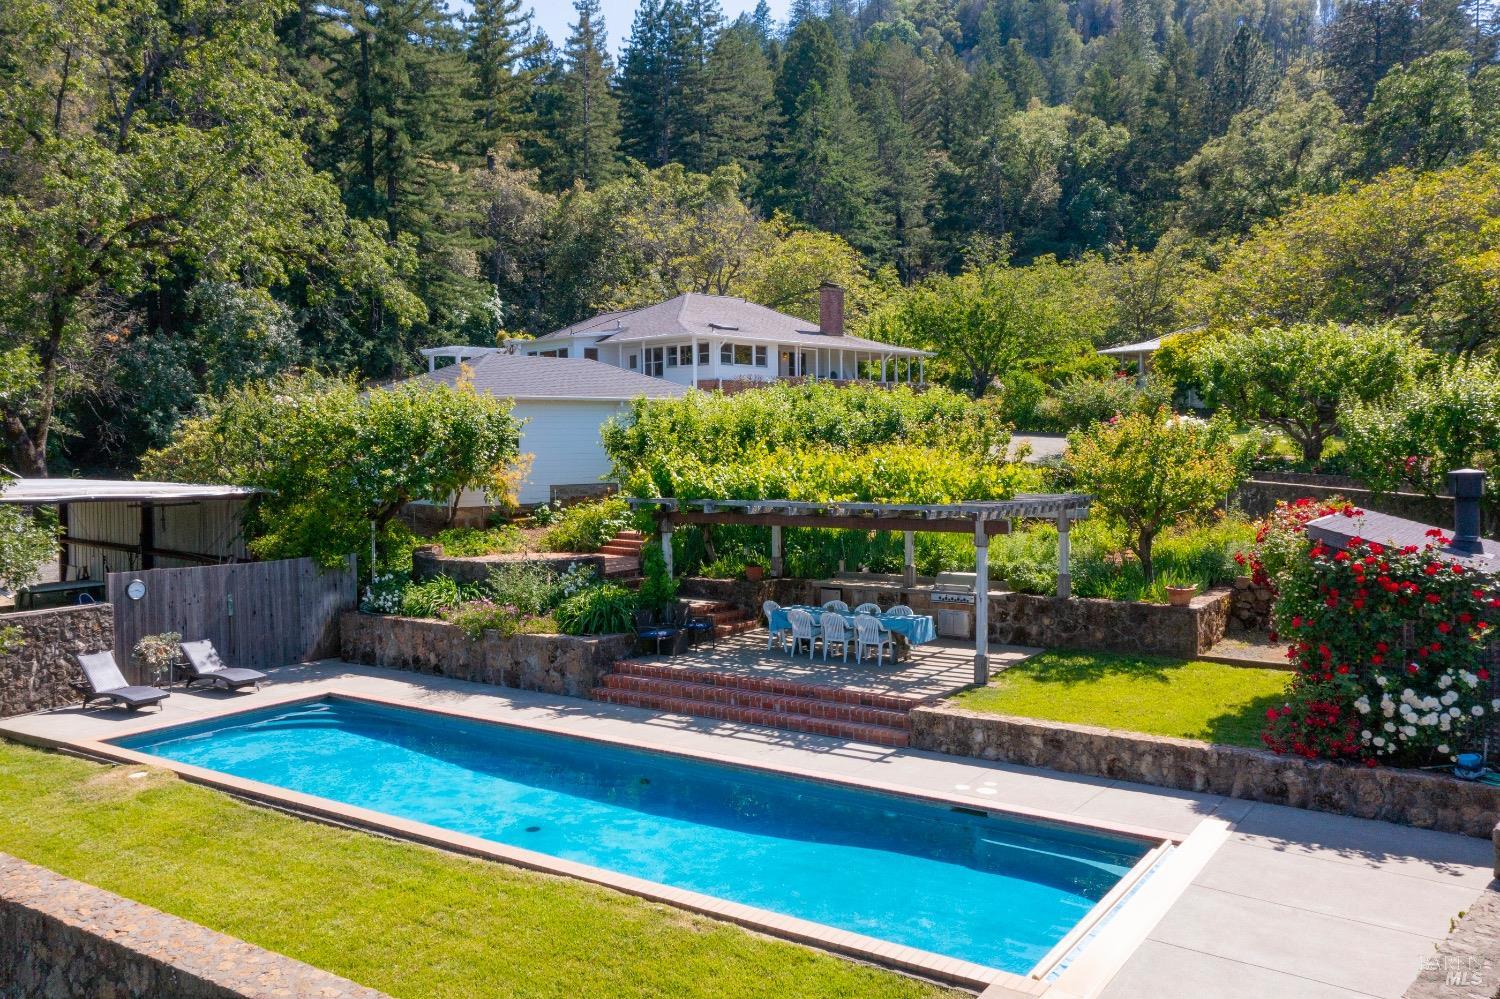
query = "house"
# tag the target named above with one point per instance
(564, 402)
(713, 341)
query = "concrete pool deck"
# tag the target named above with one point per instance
(1291, 904)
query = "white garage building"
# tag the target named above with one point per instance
(564, 402)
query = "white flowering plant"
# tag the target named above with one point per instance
(1389, 646)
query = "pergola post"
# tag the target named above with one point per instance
(981, 604)
(1064, 578)
(666, 546)
(778, 566)
(909, 566)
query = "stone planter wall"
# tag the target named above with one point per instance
(36, 675)
(553, 664)
(1409, 797)
(1250, 606)
(746, 595)
(60, 937)
(1257, 496)
(1110, 625)
(430, 561)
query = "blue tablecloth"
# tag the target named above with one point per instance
(916, 629)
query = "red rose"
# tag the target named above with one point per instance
(1344, 670)
(1377, 659)
(1382, 647)
(1413, 669)
(1482, 673)
(1465, 617)
(1433, 598)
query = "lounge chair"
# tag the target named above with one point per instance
(103, 679)
(204, 665)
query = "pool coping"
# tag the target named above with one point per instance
(1172, 860)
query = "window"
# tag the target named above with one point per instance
(742, 353)
(760, 357)
(635, 362)
(653, 361)
(726, 353)
(680, 356)
(671, 357)
(559, 352)
(591, 353)
(703, 353)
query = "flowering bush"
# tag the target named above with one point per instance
(1281, 538)
(1388, 648)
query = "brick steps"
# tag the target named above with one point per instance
(625, 546)
(881, 719)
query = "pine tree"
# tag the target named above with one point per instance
(829, 176)
(1170, 126)
(1364, 40)
(499, 43)
(651, 79)
(1242, 79)
(700, 85)
(584, 120)
(762, 22)
(738, 107)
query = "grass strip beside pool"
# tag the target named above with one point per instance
(405, 919)
(1188, 699)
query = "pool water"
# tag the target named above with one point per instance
(994, 890)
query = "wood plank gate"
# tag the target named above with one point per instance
(257, 614)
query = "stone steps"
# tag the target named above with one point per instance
(881, 719)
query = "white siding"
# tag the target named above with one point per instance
(563, 437)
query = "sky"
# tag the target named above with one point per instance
(554, 17)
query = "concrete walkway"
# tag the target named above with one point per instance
(1293, 904)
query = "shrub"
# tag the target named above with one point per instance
(478, 616)
(529, 587)
(658, 590)
(465, 542)
(1281, 537)
(1147, 471)
(1388, 649)
(587, 526)
(430, 597)
(1082, 402)
(598, 610)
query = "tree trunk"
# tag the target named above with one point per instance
(1143, 552)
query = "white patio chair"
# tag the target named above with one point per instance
(836, 632)
(804, 629)
(901, 610)
(868, 635)
(868, 609)
(774, 636)
(836, 605)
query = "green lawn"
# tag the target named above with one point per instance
(1161, 696)
(405, 919)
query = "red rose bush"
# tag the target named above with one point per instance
(1389, 650)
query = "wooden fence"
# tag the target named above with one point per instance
(257, 614)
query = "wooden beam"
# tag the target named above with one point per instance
(949, 525)
(120, 546)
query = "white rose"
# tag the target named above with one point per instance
(1454, 712)
(1477, 711)
(1390, 726)
(1443, 748)
(1379, 741)
(1365, 735)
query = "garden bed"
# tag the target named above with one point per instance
(1110, 625)
(571, 665)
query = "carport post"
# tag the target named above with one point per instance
(1064, 547)
(981, 603)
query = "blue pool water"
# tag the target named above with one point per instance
(989, 889)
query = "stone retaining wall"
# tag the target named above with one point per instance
(36, 675)
(1409, 797)
(429, 561)
(1110, 625)
(60, 937)
(1250, 606)
(553, 664)
(746, 595)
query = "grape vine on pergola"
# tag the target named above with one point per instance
(982, 520)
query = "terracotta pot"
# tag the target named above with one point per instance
(754, 573)
(1181, 596)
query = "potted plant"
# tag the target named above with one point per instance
(1180, 589)
(156, 655)
(755, 568)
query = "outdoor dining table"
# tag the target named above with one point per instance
(913, 629)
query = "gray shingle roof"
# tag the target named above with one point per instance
(719, 317)
(518, 376)
(1397, 532)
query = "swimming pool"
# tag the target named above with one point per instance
(990, 889)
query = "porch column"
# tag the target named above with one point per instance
(1064, 579)
(777, 566)
(909, 572)
(666, 546)
(922, 371)
(883, 359)
(694, 349)
(981, 604)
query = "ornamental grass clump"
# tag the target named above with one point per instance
(1389, 650)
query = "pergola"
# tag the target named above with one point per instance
(982, 520)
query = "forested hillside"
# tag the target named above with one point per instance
(204, 193)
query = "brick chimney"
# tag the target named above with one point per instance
(830, 309)
(1467, 487)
